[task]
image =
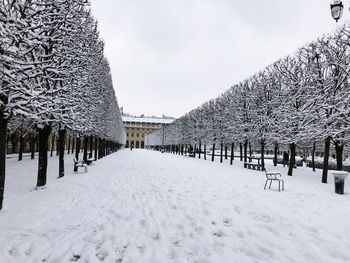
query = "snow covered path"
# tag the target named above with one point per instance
(144, 206)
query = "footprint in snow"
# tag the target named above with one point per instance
(237, 209)
(75, 258)
(227, 222)
(141, 249)
(219, 233)
(101, 255)
(156, 237)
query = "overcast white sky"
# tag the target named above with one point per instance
(170, 56)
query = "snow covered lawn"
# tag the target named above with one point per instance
(144, 206)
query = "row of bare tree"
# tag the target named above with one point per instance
(302, 99)
(54, 77)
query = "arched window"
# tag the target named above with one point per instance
(127, 144)
(137, 144)
(142, 145)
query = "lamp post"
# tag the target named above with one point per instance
(337, 10)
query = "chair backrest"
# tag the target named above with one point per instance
(267, 173)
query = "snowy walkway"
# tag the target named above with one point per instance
(146, 207)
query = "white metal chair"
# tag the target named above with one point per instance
(274, 176)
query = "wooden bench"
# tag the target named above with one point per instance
(191, 155)
(274, 176)
(89, 161)
(253, 166)
(78, 164)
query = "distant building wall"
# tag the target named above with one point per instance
(137, 128)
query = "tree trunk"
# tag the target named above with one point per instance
(245, 151)
(96, 148)
(14, 143)
(52, 144)
(61, 141)
(292, 159)
(194, 151)
(77, 147)
(326, 159)
(221, 151)
(213, 153)
(32, 147)
(205, 152)
(200, 151)
(232, 153)
(68, 146)
(313, 157)
(91, 146)
(73, 144)
(241, 151)
(99, 148)
(225, 152)
(262, 155)
(44, 134)
(339, 147)
(57, 148)
(275, 155)
(103, 148)
(85, 155)
(21, 146)
(3, 131)
(250, 149)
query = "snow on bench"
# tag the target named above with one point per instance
(78, 164)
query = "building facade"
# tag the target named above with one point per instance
(137, 128)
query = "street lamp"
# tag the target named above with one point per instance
(337, 10)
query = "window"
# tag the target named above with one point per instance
(132, 134)
(137, 135)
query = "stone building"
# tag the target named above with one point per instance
(137, 128)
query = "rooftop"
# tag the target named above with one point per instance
(148, 119)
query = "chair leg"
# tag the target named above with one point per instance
(270, 184)
(283, 185)
(265, 184)
(279, 186)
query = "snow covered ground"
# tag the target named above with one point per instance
(144, 206)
